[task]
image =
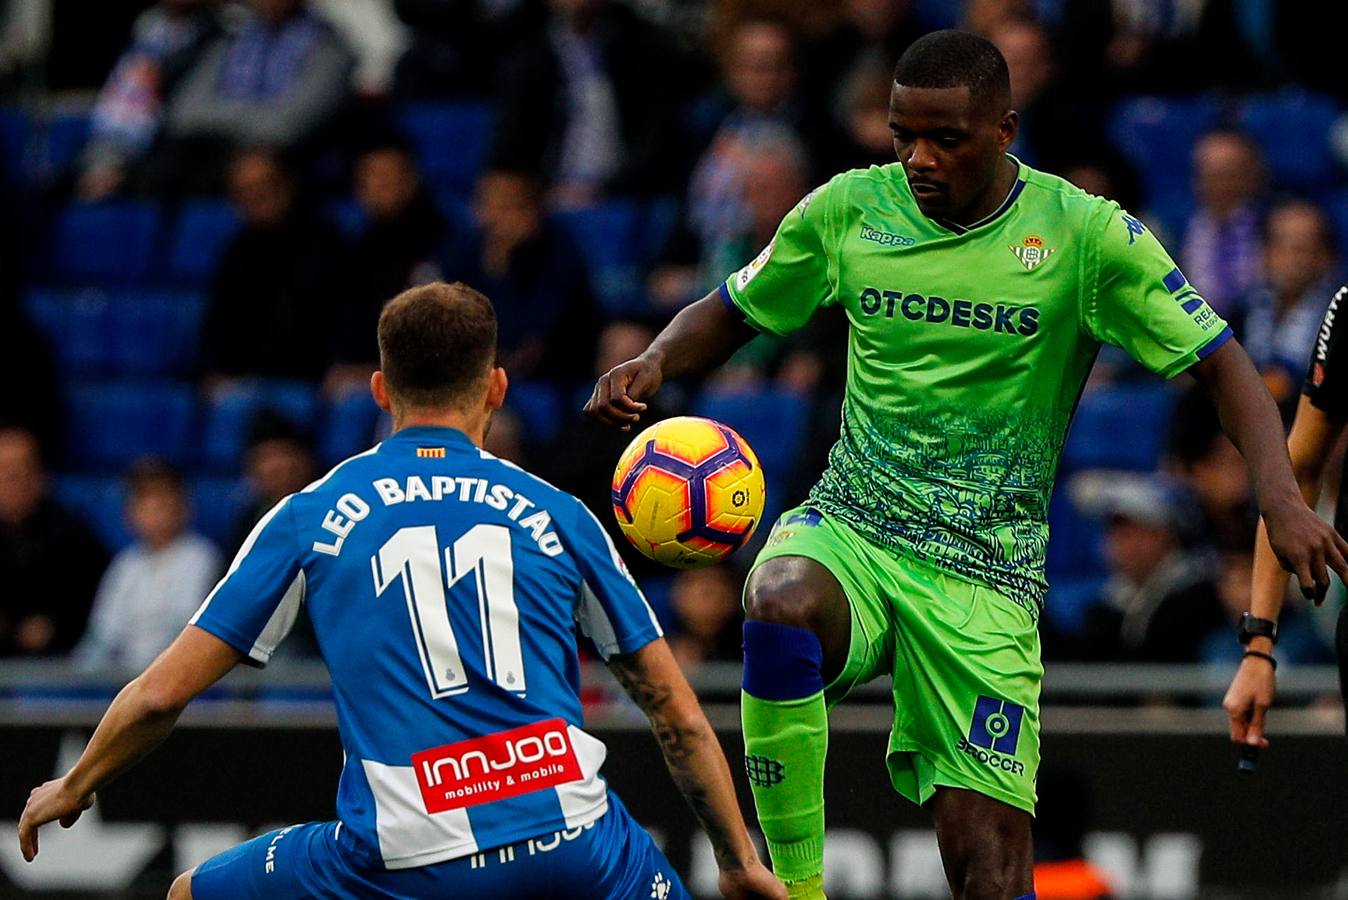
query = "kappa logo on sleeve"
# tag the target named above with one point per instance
(496, 766)
(1135, 228)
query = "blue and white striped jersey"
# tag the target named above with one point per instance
(445, 588)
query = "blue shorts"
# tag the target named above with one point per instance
(612, 857)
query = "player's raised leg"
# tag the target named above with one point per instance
(985, 846)
(795, 640)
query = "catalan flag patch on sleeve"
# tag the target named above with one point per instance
(431, 452)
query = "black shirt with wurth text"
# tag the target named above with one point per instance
(1326, 385)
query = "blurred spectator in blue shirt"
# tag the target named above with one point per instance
(536, 276)
(588, 104)
(273, 83)
(279, 285)
(1222, 254)
(50, 560)
(153, 586)
(167, 39)
(1277, 319)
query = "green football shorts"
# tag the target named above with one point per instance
(965, 661)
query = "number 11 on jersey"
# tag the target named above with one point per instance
(412, 556)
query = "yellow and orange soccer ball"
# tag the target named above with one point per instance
(688, 492)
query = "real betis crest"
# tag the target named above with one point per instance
(1032, 251)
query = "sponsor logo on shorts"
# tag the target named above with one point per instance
(763, 771)
(496, 766)
(994, 735)
(660, 886)
(269, 864)
(532, 847)
(806, 518)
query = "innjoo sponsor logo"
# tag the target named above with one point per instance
(496, 766)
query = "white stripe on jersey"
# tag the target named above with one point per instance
(244, 550)
(281, 621)
(585, 800)
(595, 623)
(408, 835)
(622, 567)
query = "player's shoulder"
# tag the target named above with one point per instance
(1056, 192)
(871, 182)
(336, 481)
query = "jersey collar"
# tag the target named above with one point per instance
(997, 213)
(430, 434)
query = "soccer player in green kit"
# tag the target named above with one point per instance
(978, 291)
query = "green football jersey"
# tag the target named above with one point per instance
(968, 350)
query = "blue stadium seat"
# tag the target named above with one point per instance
(105, 242)
(113, 424)
(1293, 128)
(203, 229)
(773, 422)
(1069, 599)
(1158, 134)
(1119, 427)
(13, 145)
(119, 333)
(608, 237)
(540, 407)
(63, 141)
(349, 427)
(230, 416)
(451, 142)
(100, 501)
(74, 322)
(1075, 542)
(216, 505)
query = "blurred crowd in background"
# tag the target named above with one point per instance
(206, 205)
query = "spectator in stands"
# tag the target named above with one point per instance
(1221, 253)
(861, 119)
(1200, 455)
(274, 82)
(1054, 126)
(455, 47)
(167, 39)
(589, 104)
(706, 604)
(1160, 600)
(279, 285)
(278, 461)
(397, 250)
(153, 586)
(761, 174)
(1106, 173)
(535, 274)
(1277, 318)
(869, 35)
(50, 561)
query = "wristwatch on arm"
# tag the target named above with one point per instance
(1251, 627)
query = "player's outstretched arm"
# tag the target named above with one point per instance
(654, 681)
(1253, 689)
(1302, 542)
(701, 337)
(140, 717)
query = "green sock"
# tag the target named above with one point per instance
(785, 742)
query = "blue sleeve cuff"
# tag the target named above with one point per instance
(1215, 344)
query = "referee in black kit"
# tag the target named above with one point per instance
(1321, 415)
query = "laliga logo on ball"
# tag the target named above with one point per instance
(688, 492)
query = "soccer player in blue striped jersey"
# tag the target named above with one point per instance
(446, 588)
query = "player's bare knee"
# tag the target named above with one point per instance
(786, 591)
(181, 889)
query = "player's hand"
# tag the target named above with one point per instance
(1306, 546)
(751, 883)
(1248, 699)
(618, 395)
(50, 802)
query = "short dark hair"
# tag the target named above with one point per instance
(951, 59)
(150, 475)
(436, 342)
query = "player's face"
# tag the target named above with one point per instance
(949, 145)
